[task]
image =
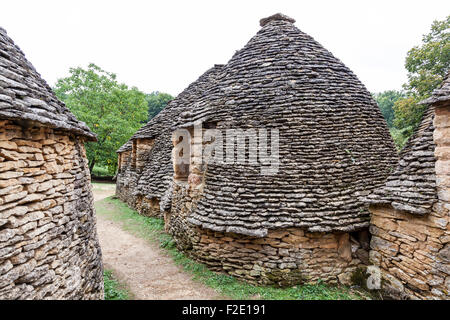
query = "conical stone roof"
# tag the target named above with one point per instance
(334, 144)
(24, 95)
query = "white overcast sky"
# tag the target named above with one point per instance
(165, 45)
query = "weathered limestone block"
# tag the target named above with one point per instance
(442, 136)
(443, 167)
(442, 117)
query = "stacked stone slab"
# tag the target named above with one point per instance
(410, 247)
(144, 179)
(48, 240)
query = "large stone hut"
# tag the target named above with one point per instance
(306, 220)
(145, 170)
(410, 226)
(303, 219)
(48, 239)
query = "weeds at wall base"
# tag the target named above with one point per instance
(114, 290)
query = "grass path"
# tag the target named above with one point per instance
(145, 259)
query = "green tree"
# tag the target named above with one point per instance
(156, 102)
(112, 110)
(427, 65)
(385, 101)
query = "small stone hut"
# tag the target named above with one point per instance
(125, 179)
(307, 221)
(145, 170)
(410, 226)
(48, 239)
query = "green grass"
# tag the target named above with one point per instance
(99, 171)
(113, 289)
(152, 229)
(401, 136)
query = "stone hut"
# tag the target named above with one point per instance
(410, 247)
(48, 239)
(306, 220)
(144, 179)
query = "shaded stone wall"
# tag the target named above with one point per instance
(126, 190)
(48, 239)
(148, 207)
(413, 252)
(407, 248)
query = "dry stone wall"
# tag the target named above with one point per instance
(143, 146)
(48, 240)
(123, 178)
(412, 251)
(124, 158)
(126, 180)
(150, 181)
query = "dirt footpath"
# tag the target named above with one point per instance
(145, 269)
(103, 190)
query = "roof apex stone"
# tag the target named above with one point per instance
(277, 16)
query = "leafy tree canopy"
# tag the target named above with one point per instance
(112, 110)
(385, 101)
(428, 63)
(156, 102)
